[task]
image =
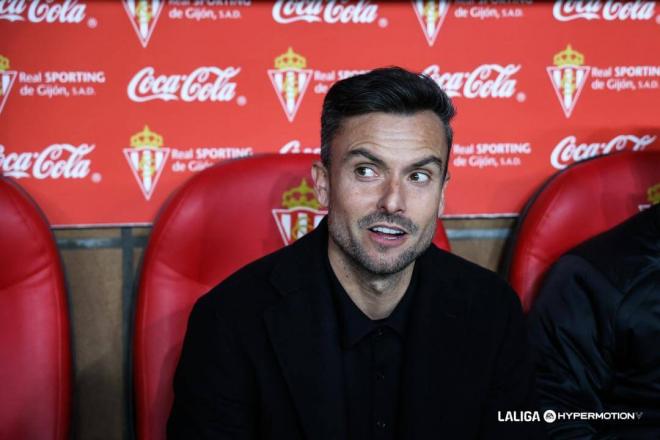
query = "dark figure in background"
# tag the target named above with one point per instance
(595, 329)
(362, 329)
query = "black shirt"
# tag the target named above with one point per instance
(372, 355)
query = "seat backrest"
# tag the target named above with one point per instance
(35, 352)
(220, 220)
(574, 205)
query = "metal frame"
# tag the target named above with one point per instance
(128, 243)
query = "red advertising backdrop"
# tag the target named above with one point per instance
(107, 106)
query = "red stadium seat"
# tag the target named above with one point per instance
(220, 220)
(573, 206)
(35, 353)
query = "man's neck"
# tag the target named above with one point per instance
(375, 295)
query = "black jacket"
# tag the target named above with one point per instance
(595, 330)
(261, 357)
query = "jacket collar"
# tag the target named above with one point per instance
(305, 336)
(435, 344)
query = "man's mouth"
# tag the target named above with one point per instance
(389, 232)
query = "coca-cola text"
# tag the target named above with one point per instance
(203, 84)
(610, 10)
(569, 151)
(57, 161)
(486, 81)
(315, 11)
(48, 11)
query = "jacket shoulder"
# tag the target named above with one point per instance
(477, 284)
(625, 254)
(463, 271)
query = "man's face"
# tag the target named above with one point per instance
(384, 188)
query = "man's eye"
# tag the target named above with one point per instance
(365, 172)
(419, 177)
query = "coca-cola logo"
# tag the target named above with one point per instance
(57, 161)
(203, 84)
(333, 11)
(568, 150)
(48, 11)
(486, 81)
(564, 10)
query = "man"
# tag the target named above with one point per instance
(362, 329)
(595, 329)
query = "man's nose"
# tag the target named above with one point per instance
(392, 198)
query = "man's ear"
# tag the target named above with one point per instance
(441, 207)
(321, 178)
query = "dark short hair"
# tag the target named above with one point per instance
(388, 90)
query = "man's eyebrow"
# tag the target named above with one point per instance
(364, 153)
(420, 163)
(427, 160)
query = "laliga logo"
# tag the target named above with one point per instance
(52, 162)
(68, 11)
(290, 11)
(431, 15)
(299, 214)
(143, 15)
(595, 10)
(569, 151)
(290, 80)
(568, 77)
(146, 157)
(203, 84)
(479, 83)
(7, 78)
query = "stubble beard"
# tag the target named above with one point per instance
(361, 260)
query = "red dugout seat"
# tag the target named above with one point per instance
(574, 205)
(35, 354)
(220, 220)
